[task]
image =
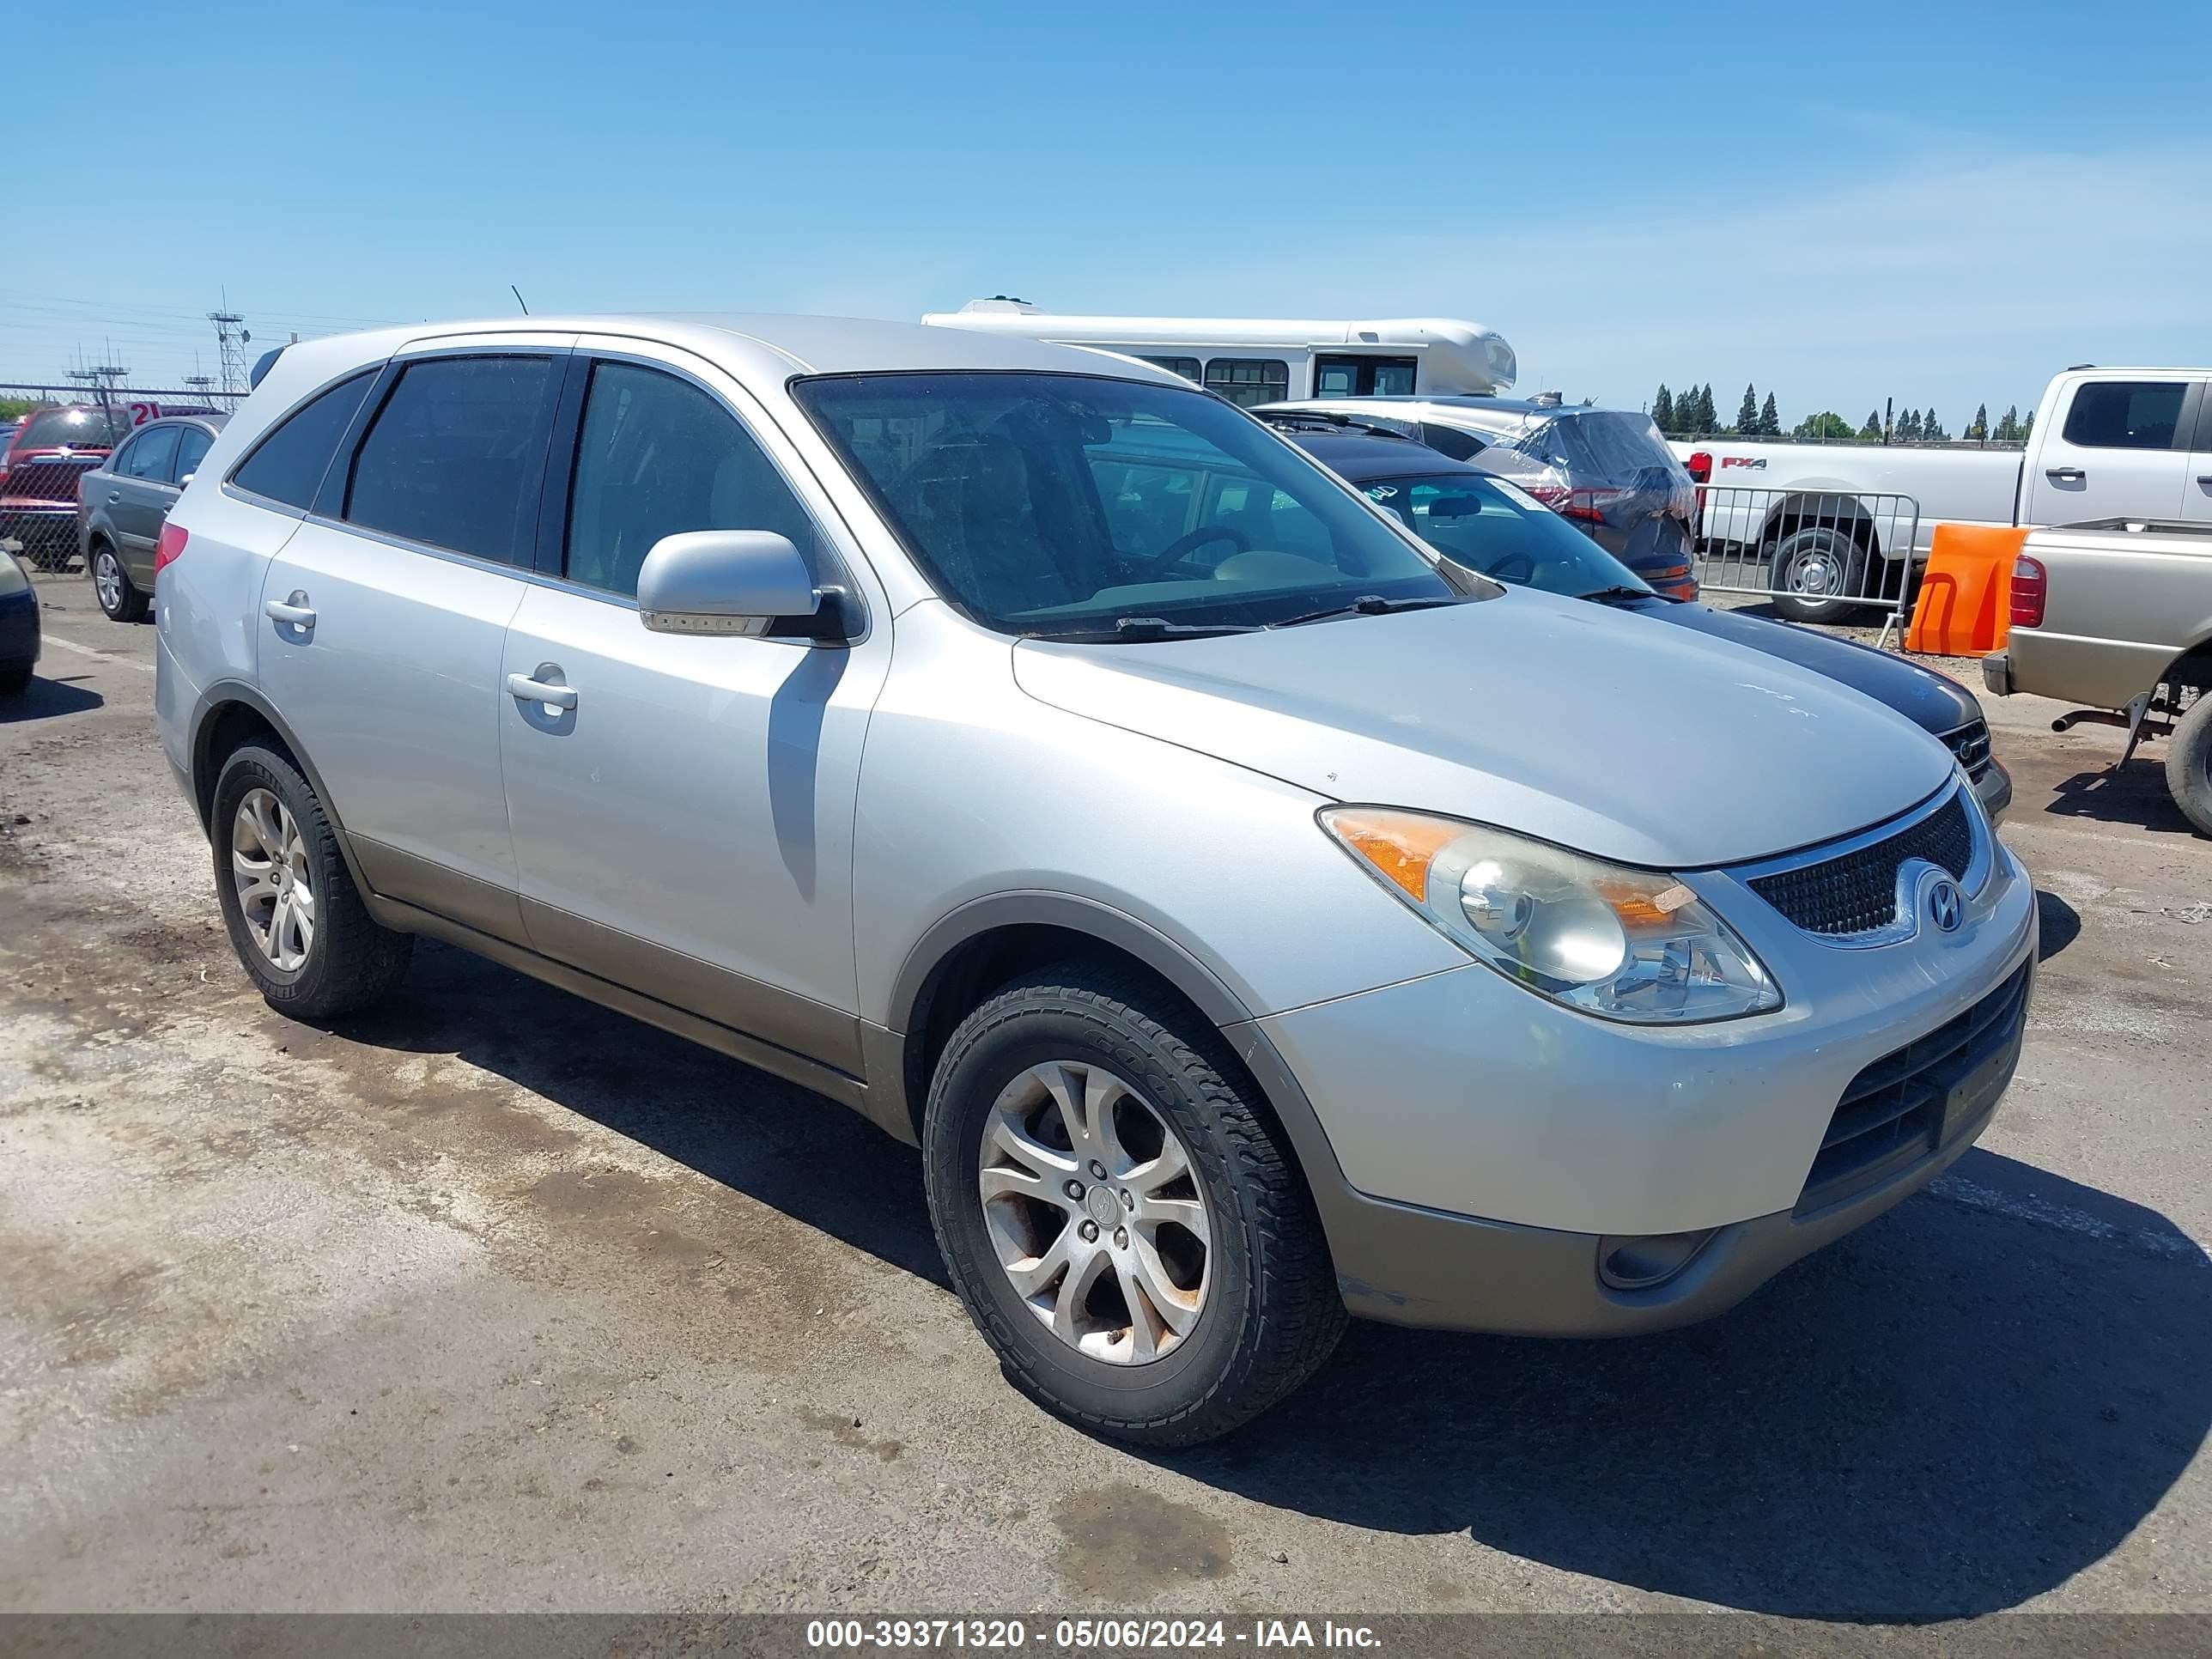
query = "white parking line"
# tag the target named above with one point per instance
(100, 656)
(1975, 1196)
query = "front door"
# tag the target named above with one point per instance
(384, 618)
(683, 811)
(2121, 451)
(140, 496)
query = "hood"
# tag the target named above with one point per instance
(1932, 701)
(1598, 729)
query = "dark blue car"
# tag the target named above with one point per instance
(1488, 525)
(19, 626)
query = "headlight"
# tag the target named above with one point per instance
(1628, 944)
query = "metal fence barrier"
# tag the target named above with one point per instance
(51, 435)
(1820, 556)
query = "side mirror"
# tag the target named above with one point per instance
(725, 581)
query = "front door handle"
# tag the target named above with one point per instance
(113, 496)
(292, 612)
(522, 688)
(2065, 474)
(2204, 480)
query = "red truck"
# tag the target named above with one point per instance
(52, 447)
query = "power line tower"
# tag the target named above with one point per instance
(231, 339)
(199, 383)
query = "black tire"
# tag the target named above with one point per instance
(14, 682)
(351, 961)
(2189, 763)
(1271, 1312)
(130, 602)
(1827, 560)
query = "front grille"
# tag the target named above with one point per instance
(1855, 892)
(1903, 1107)
(1970, 743)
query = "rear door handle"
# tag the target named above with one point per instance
(293, 612)
(2065, 474)
(522, 688)
(113, 496)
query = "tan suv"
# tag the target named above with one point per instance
(2116, 615)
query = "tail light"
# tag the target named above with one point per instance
(1699, 466)
(2029, 589)
(165, 551)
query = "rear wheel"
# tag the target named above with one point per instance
(14, 682)
(1811, 570)
(294, 916)
(1121, 1219)
(2189, 763)
(123, 599)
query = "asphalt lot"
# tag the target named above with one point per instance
(493, 1299)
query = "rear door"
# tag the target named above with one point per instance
(2121, 450)
(684, 826)
(2196, 477)
(384, 616)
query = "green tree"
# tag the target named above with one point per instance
(1825, 428)
(1980, 429)
(1769, 418)
(1872, 429)
(1662, 409)
(14, 409)
(1908, 425)
(2009, 427)
(1708, 418)
(1746, 417)
(2027, 425)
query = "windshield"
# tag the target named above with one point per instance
(83, 428)
(1059, 504)
(1489, 525)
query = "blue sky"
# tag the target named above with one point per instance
(1937, 202)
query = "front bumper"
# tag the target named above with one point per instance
(1994, 790)
(1517, 1145)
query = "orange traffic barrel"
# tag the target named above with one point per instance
(1965, 592)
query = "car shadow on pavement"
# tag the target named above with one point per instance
(1945, 1413)
(1948, 1412)
(2058, 924)
(2134, 795)
(43, 699)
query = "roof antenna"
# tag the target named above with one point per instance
(518, 299)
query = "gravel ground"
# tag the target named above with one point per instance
(495, 1300)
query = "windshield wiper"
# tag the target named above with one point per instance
(1137, 630)
(1368, 604)
(1617, 594)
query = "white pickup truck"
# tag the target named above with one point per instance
(2108, 443)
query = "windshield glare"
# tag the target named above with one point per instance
(1488, 526)
(89, 428)
(1062, 504)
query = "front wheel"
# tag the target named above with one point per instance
(1121, 1218)
(294, 916)
(121, 598)
(2189, 763)
(1811, 570)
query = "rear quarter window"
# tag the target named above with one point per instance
(288, 464)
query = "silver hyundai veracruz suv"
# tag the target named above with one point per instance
(1251, 916)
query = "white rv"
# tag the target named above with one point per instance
(1262, 360)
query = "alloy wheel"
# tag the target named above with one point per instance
(1095, 1213)
(276, 891)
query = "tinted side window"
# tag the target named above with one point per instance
(1186, 366)
(149, 454)
(1451, 440)
(2125, 414)
(456, 456)
(287, 465)
(191, 450)
(656, 456)
(1249, 380)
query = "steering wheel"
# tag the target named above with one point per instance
(1198, 537)
(1513, 568)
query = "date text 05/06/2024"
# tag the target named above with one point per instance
(1081, 1634)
